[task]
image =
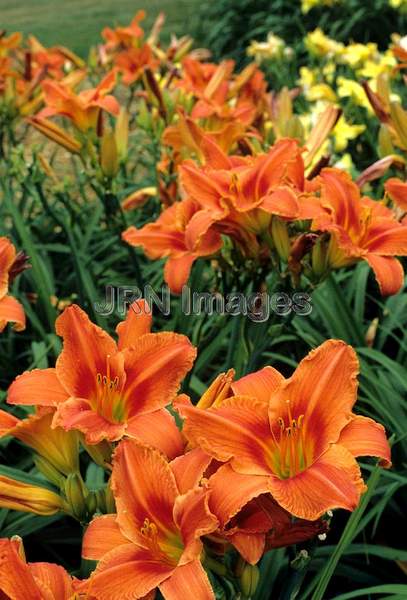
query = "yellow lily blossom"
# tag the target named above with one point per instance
(320, 91)
(356, 54)
(319, 44)
(344, 132)
(353, 89)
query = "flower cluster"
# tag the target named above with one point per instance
(156, 153)
(258, 463)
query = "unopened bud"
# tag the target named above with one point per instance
(249, 580)
(76, 493)
(100, 453)
(385, 142)
(109, 160)
(49, 471)
(371, 332)
(122, 133)
(281, 239)
(319, 255)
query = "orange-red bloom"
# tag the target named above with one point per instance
(294, 438)
(107, 389)
(170, 237)
(361, 229)
(20, 580)
(154, 540)
(82, 109)
(132, 63)
(124, 37)
(11, 310)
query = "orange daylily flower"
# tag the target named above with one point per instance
(124, 37)
(48, 61)
(59, 447)
(82, 109)
(11, 310)
(186, 137)
(20, 580)
(397, 190)
(106, 389)
(154, 540)
(361, 229)
(294, 438)
(133, 62)
(244, 192)
(169, 237)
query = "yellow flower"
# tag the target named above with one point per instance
(345, 162)
(372, 69)
(328, 71)
(319, 44)
(307, 77)
(398, 3)
(354, 54)
(344, 132)
(306, 5)
(353, 89)
(320, 91)
(274, 47)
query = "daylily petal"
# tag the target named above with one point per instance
(16, 581)
(143, 486)
(333, 481)
(177, 271)
(189, 580)
(237, 430)
(40, 387)
(388, 271)
(397, 191)
(102, 535)
(259, 385)
(240, 490)
(52, 579)
(194, 519)
(155, 366)
(76, 413)
(157, 429)
(364, 437)
(323, 388)
(387, 239)
(7, 422)
(128, 571)
(137, 322)
(190, 468)
(86, 347)
(282, 202)
(7, 256)
(11, 311)
(249, 545)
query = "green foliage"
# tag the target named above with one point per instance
(235, 23)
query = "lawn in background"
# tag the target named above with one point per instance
(77, 23)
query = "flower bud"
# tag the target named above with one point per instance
(122, 133)
(281, 238)
(249, 580)
(109, 160)
(319, 258)
(48, 470)
(76, 493)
